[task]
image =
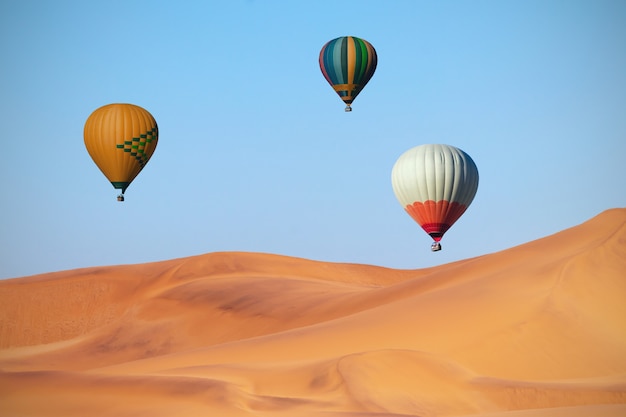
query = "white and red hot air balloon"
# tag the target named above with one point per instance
(435, 184)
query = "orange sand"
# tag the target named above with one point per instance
(538, 330)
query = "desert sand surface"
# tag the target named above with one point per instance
(538, 330)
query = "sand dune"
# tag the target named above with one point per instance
(534, 331)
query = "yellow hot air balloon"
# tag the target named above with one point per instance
(121, 138)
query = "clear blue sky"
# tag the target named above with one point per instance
(255, 151)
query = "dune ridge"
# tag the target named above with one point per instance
(536, 330)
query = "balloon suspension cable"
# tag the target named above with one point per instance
(348, 108)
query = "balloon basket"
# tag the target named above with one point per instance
(120, 197)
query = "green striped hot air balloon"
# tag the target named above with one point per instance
(348, 63)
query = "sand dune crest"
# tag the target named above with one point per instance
(533, 331)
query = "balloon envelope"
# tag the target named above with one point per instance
(435, 184)
(348, 63)
(121, 138)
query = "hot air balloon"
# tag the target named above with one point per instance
(348, 63)
(121, 138)
(435, 184)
